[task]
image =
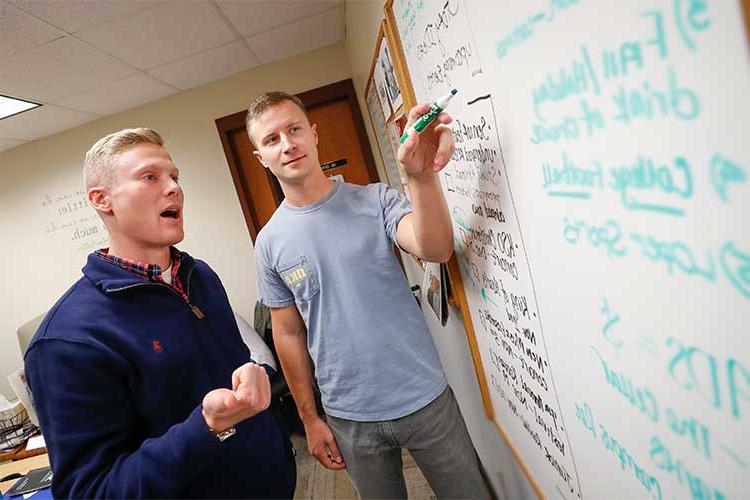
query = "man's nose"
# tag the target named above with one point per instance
(173, 187)
(287, 143)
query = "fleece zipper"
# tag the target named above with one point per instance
(186, 298)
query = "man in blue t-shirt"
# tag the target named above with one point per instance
(326, 268)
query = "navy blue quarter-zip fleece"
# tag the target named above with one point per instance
(118, 371)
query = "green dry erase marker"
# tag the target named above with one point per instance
(424, 121)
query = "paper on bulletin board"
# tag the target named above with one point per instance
(385, 146)
(378, 77)
(391, 83)
(395, 129)
(434, 286)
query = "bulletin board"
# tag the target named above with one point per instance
(380, 111)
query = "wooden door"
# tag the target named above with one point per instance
(343, 150)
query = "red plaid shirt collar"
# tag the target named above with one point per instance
(149, 272)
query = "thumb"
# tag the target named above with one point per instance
(230, 401)
(333, 450)
(216, 401)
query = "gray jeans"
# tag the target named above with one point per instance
(435, 436)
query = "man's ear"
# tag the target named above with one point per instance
(99, 199)
(314, 128)
(260, 158)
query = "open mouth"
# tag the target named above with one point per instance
(172, 213)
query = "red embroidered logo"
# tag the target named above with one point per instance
(156, 345)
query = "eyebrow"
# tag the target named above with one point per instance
(266, 137)
(152, 166)
(287, 125)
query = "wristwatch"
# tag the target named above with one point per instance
(223, 435)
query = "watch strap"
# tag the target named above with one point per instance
(223, 435)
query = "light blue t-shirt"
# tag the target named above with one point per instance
(373, 354)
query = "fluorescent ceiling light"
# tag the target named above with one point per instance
(10, 106)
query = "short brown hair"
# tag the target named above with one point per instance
(97, 167)
(268, 100)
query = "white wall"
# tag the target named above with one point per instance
(363, 18)
(38, 266)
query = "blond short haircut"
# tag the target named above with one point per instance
(101, 157)
(267, 100)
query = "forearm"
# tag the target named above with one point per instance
(295, 363)
(161, 466)
(433, 234)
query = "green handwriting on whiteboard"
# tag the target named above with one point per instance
(667, 461)
(635, 98)
(723, 384)
(630, 180)
(661, 456)
(688, 18)
(611, 318)
(628, 104)
(724, 172)
(736, 265)
(647, 101)
(694, 370)
(526, 29)
(676, 256)
(628, 464)
(691, 15)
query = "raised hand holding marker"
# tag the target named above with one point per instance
(424, 121)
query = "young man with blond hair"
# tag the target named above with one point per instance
(326, 268)
(139, 375)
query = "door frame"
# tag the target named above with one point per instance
(231, 124)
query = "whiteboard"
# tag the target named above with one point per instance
(599, 195)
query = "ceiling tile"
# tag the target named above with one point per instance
(167, 33)
(207, 66)
(42, 121)
(250, 18)
(75, 15)
(20, 31)
(298, 37)
(6, 144)
(59, 69)
(118, 96)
